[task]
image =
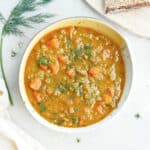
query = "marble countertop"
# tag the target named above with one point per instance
(124, 131)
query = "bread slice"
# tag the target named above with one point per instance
(117, 5)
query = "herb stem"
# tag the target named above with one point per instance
(2, 69)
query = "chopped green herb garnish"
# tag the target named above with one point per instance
(42, 107)
(43, 61)
(13, 53)
(77, 52)
(88, 51)
(137, 116)
(74, 87)
(62, 88)
(74, 120)
(77, 140)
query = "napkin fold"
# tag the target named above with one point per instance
(11, 136)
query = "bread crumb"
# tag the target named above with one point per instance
(1, 93)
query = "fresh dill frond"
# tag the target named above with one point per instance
(2, 19)
(39, 18)
(17, 19)
(22, 7)
(43, 2)
(11, 26)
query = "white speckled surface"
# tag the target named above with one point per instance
(124, 132)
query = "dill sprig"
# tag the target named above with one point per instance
(17, 19)
(42, 2)
(2, 19)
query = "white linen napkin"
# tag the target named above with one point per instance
(11, 136)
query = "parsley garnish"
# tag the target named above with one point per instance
(42, 107)
(43, 61)
(78, 140)
(137, 115)
(74, 120)
(77, 52)
(88, 51)
(63, 88)
(13, 53)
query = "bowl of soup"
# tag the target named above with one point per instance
(75, 74)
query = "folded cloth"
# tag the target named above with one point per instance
(11, 136)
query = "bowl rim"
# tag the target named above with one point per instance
(41, 119)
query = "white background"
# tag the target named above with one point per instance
(124, 131)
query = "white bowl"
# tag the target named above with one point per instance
(96, 25)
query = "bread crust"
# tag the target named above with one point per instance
(125, 7)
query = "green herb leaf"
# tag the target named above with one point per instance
(43, 61)
(63, 89)
(74, 120)
(74, 87)
(16, 19)
(77, 52)
(42, 107)
(88, 51)
(77, 140)
(39, 18)
(43, 2)
(137, 116)
(2, 19)
(13, 53)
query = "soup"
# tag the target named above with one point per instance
(74, 76)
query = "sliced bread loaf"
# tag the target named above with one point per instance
(117, 5)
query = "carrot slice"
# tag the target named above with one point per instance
(98, 108)
(38, 96)
(93, 71)
(35, 84)
(107, 98)
(49, 91)
(63, 59)
(53, 43)
(43, 67)
(70, 73)
(70, 31)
